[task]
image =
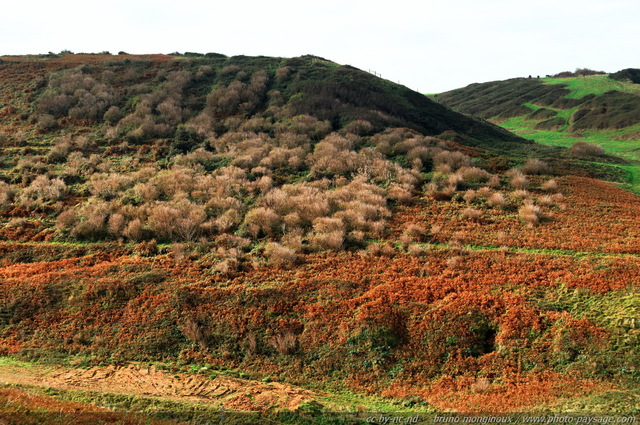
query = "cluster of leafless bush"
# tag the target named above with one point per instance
(456, 176)
(79, 94)
(242, 169)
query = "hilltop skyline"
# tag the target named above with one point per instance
(429, 47)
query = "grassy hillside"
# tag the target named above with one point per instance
(602, 110)
(303, 224)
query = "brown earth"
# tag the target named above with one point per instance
(232, 393)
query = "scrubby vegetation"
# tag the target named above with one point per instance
(594, 114)
(302, 221)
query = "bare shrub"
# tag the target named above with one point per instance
(454, 262)
(421, 153)
(67, 219)
(300, 203)
(228, 259)
(381, 250)
(293, 239)
(93, 221)
(417, 250)
(545, 200)
(228, 221)
(518, 180)
(108, 186)
(116, 224)
(356, 236)
(279, 255)
(263, 220)
(530, 213)
(454, 160)
(473, 174)
(453, 180)
(193, 331)
(46, 122)
(329, 241)
(550, 186)
(229, 70)
(307, 125)
(113, 115)
(179, 221)
(235, 98)
(401, 193)
(472, 214)
(520, 194)
(484, 192)
(134, 230)
(535, 166)
(496, 200)
(359, 127)
(285, 343)
(415, 232)
(444, 194)
(42, 190)
(283, 73)
(281, 157)
(333, 156)
(328, 224)
(480, 385)
(586, 149)
(469, 196)
(6, 194)
(494, 181)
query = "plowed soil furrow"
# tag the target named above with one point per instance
(141, 381)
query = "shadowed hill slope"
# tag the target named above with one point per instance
(305, 85)
(572, 103)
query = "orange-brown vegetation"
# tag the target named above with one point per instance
(374, 312)
(591, 215)
(230, 216)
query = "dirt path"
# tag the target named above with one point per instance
(150, 382)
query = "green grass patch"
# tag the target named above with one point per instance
(592, 84)
(614, 143)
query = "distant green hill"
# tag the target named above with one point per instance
(598, 109)
(567, 104)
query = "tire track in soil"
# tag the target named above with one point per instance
(144, 381)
